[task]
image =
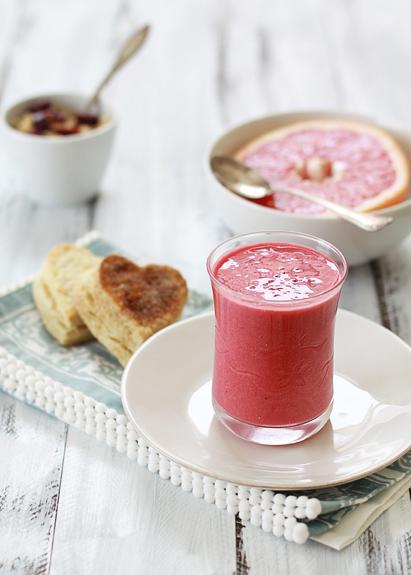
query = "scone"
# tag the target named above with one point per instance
(53, 292)
(123, 304)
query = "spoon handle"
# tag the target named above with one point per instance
(366, 221)
(129, 49)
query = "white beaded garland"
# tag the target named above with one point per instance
(273, 512)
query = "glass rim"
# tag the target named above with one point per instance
(302, 235)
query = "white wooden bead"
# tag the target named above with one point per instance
(198, 490)
(19, 393)
(290, 522)
(289, 534)
(112, 413)
(152, 461)
(243, 492)
(300, 533)
(255, 515)
(59, 412)
(121, 445)
(288, 511)
(142, 457)
(209, 496)
(220, 503)
(313, 508)
(302, 501)
(244, 509)
(279, 498)
(89, 412)
(11, 367)
(20, 375)
(231, 489)
(40, 401)
(121, 419)
(131, 452)
(277, 508)
(291, 501)
(299, 512)
(278, 530)
(59, 397)
(278, 519)
(186, 481)
(100, 408)
(266, 504)
(121, 429)
(111, 424)
(68, 400)
(267, 521)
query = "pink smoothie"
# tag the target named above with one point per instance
(275, 305)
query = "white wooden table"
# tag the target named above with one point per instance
(68, 504)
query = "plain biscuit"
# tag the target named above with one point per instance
(53, 291)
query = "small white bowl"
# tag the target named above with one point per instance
(244, 216)
(58, 169)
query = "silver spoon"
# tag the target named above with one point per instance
(250, 184)
(129, 49)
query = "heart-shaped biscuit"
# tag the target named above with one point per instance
(148, 294)
(122, 303)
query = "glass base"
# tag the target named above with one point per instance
(272, 435)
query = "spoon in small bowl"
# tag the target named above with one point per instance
(128, 50)
(250, 184)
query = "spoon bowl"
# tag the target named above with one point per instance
(248, 183)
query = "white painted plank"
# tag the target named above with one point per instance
(116, 517)
(31, 454)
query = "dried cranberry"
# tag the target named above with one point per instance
(39, 121)
(39, 106)
(88, 119)
(55, 115)
(66, 131)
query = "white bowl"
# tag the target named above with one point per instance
(58, 169)
(244, 216)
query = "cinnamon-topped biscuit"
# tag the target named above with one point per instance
(123, 304)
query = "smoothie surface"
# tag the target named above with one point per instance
(277, 272)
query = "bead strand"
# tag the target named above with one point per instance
(276, 513)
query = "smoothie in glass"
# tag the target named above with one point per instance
(275, 298)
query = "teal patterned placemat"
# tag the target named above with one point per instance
(89, 368)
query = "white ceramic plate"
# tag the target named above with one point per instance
(166, 392)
